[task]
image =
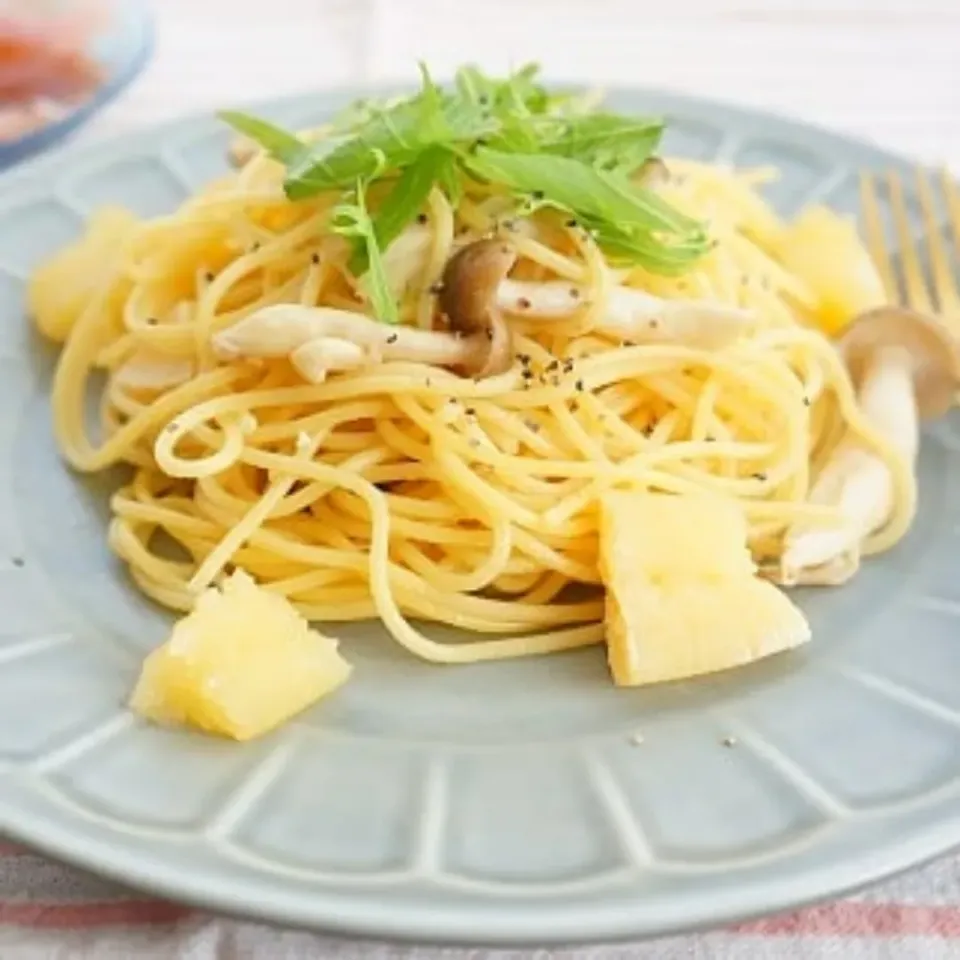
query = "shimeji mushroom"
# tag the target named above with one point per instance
(150, 371)
(474, 294)
(319, 340)
(906, 368)
(628, 314)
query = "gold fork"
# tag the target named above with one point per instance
(940, 295)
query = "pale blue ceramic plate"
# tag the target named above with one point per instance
(493, 803)
(122, 49)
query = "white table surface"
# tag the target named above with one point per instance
(888, 70)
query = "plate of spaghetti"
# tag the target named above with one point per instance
(490, 513)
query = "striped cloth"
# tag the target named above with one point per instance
(50, 911)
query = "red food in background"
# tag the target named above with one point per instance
(45, 66)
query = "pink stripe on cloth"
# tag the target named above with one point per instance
(847, 919)
(77, 916)
(842, 919)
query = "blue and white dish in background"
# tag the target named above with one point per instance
(122, 48)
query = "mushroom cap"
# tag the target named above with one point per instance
(468, 297)
(934, 352)
(653, 173)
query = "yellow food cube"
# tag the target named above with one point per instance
(61, 287)
(682, 598)
(662, 537)
(241, 663)
(824, 250)
(679, 630)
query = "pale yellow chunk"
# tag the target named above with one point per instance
(61, 287)
(823, 249)
(682, 597)
(660, 633)
(241, 663)
(665, 537)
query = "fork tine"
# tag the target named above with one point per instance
(944, 286)
(876, 242)
(914, 283)
(952, 193)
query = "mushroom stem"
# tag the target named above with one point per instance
(285, 329)
(833, 573)
(629, 314)
(855, 479)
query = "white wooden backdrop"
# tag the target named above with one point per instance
(885, 69)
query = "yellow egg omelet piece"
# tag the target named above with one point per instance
(823, 249)
(61, 287)
(683, 597)
(241, 663)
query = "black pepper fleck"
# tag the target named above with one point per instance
(628, 343)
(210, 277)
(436, 288)
(17, 561)
(729, 741)
(393, 338)
(526, 373)
(470, 412)
(421, 218)
(523, 303)
(654, 323)
(574, 406)
(538, 194)
(574, 293)
(806, 401)
(571, 223)
(760, 475)
(579, 386)
(151, 321)
(170, 428)
(315, 259)
(553, 365)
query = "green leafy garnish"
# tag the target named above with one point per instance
(401, 134)
(351, 219)
(599, 195)
(607, 141)
(403, 203)
(281, 145)
(547, 149)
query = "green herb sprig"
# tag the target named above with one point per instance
(541, 146)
